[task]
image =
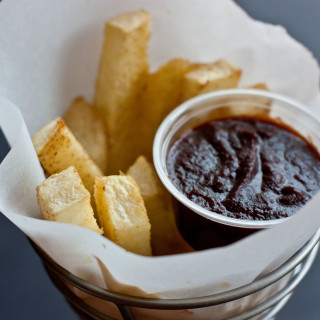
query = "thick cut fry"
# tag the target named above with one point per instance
(249, 106)
(165, 237)
(260, 86)
(121, 76)
(89, 128)
(122, 214)
(63, 198)
(160, 96)
(209, 77)
(58, 149)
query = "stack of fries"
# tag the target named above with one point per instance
(86, 153)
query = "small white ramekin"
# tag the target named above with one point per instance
(240, 102)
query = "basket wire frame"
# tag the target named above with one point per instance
(303, 258)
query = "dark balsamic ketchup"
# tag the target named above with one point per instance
(245, 168)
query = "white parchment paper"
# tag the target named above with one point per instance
(49, 53)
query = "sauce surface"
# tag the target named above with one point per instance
(245, 168)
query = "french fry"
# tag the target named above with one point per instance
(260, 86)
(246, 107)
(58, 149)
(165, 236)
(209, 77)
(122, 72)
(63, 198)
(122, 214)
(160, 97)
(250, 107)
(88, 127)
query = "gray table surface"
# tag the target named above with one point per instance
(25, 290)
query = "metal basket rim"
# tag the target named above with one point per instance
(204, 301)
(268, 307)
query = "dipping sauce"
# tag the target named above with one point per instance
(245, 168)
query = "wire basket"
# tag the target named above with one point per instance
(293, 270)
